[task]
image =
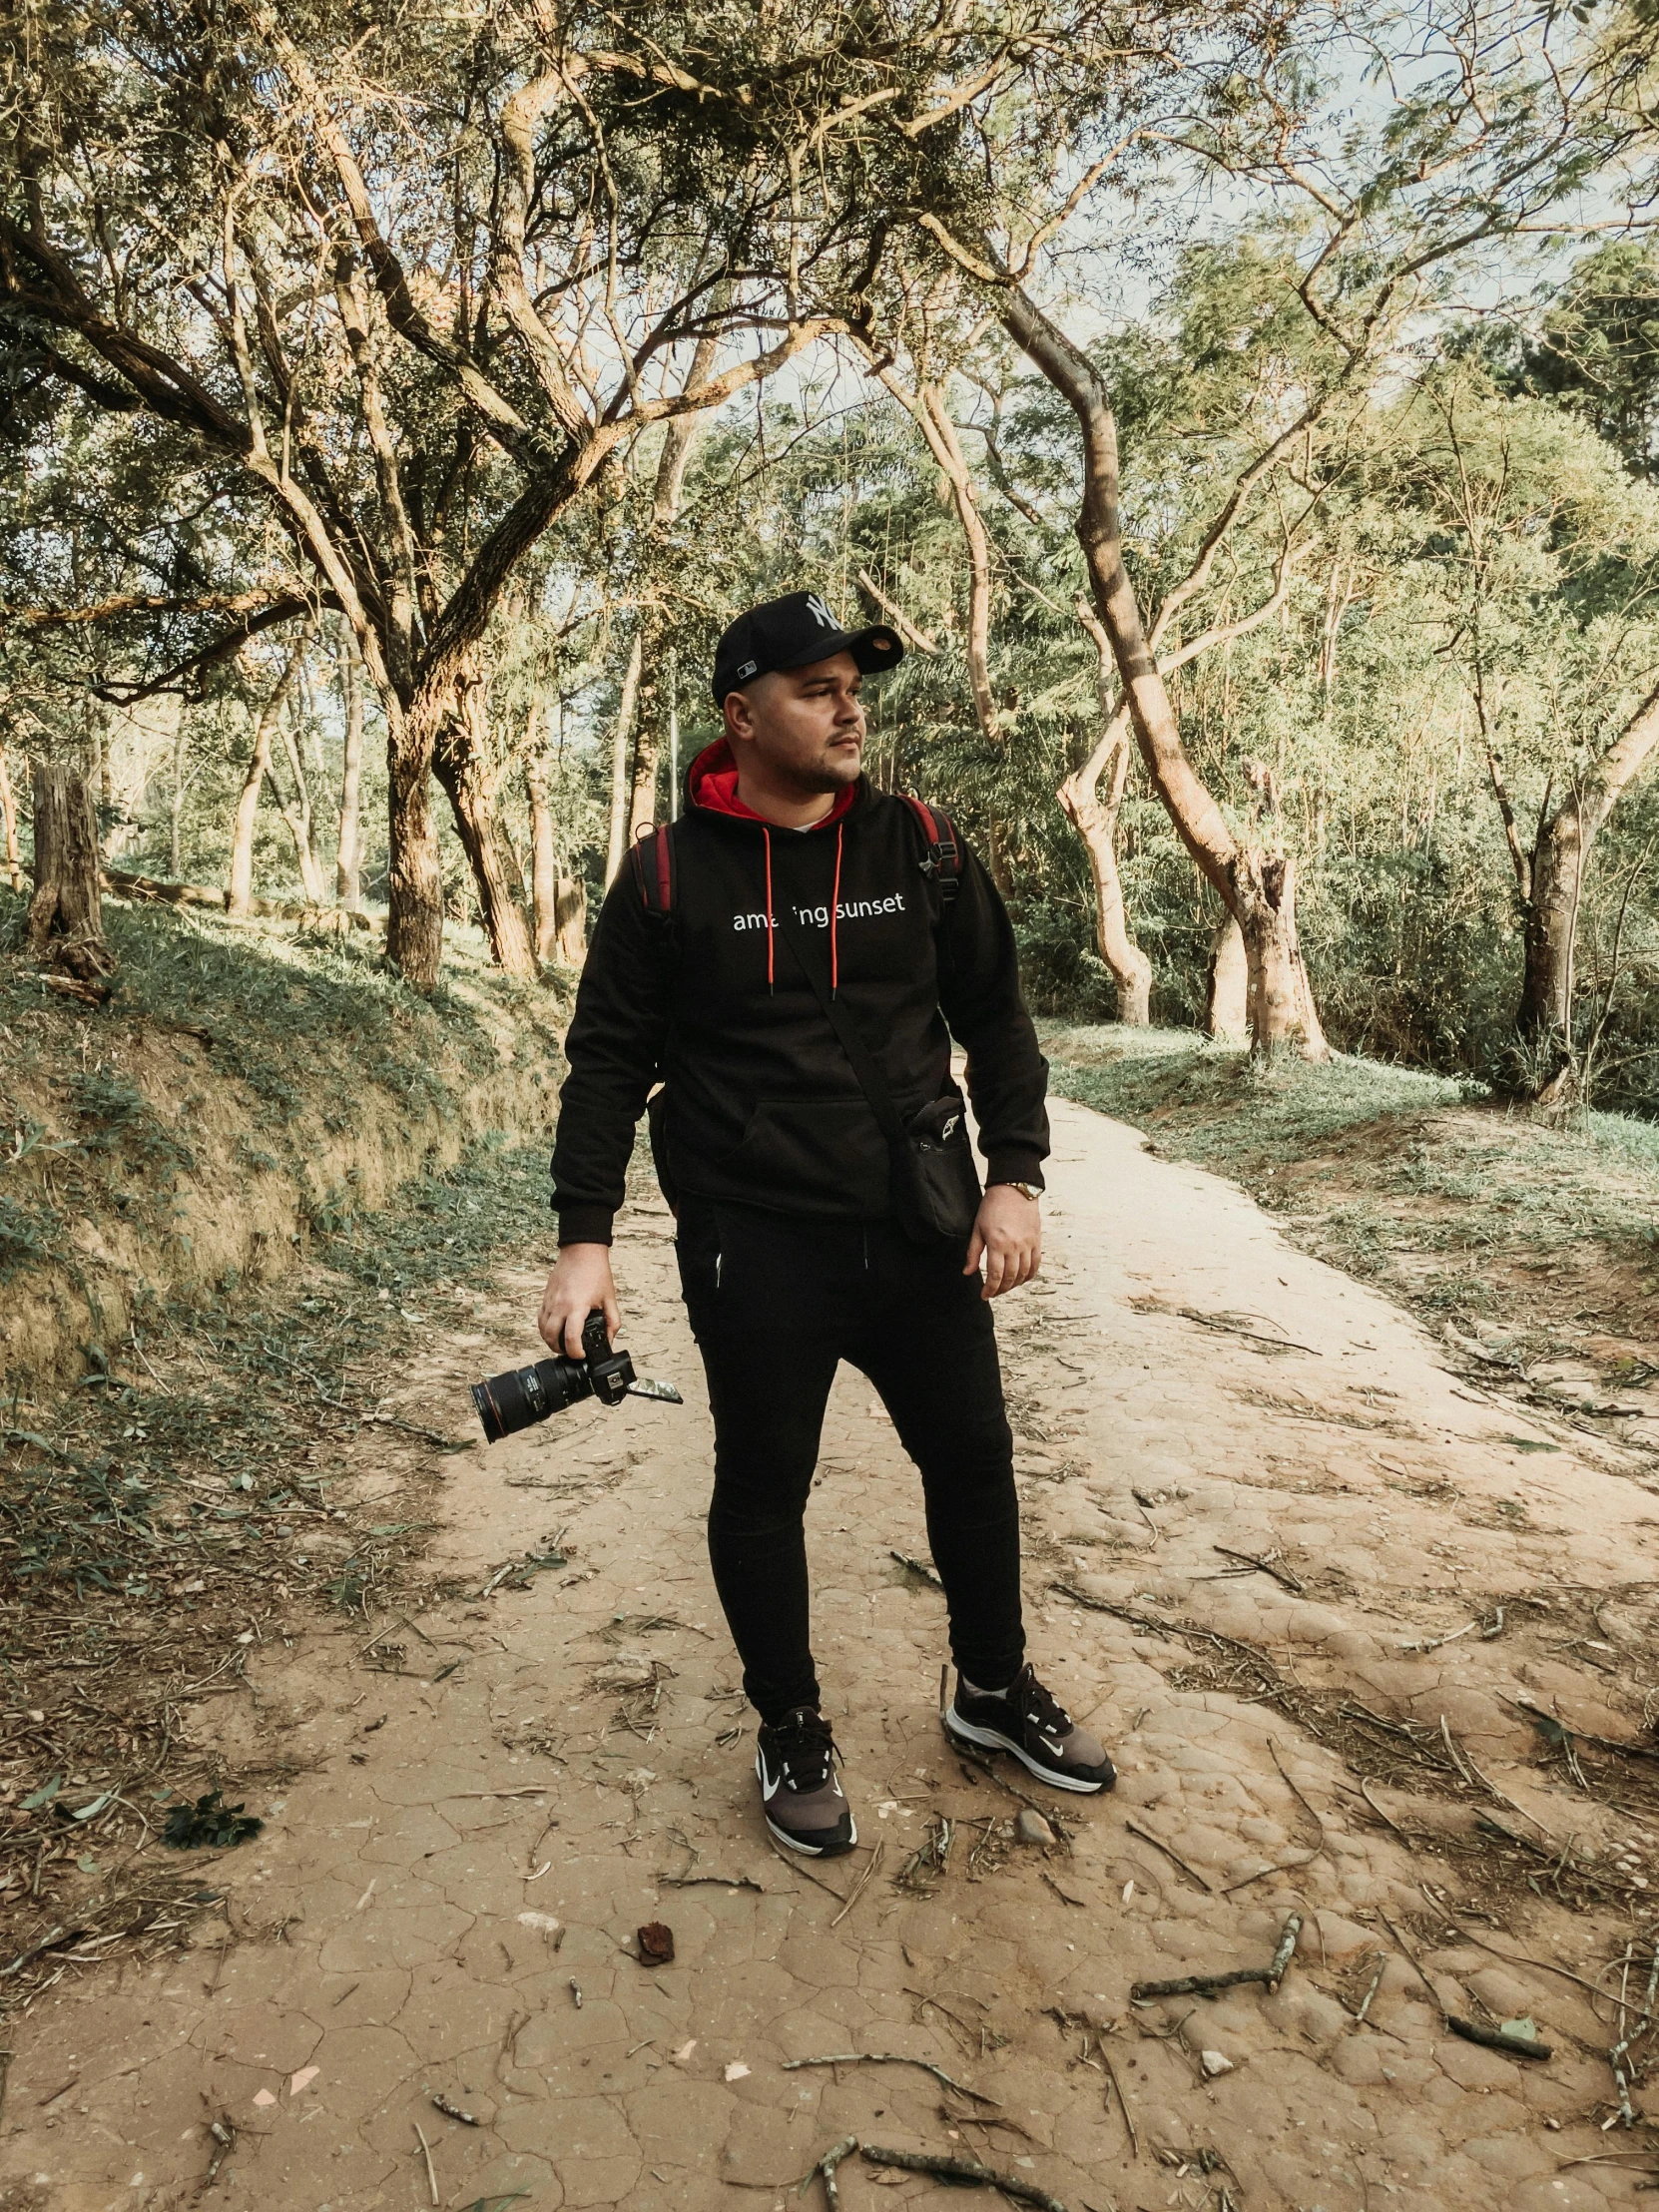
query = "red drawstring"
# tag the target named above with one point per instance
(767, 835)
(834, 903)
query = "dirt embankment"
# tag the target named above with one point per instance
(249, 1084)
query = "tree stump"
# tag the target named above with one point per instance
(66, 914)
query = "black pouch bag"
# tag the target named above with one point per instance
(935, 1185)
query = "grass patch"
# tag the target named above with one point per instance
(1475, 1214)
(129, 1133)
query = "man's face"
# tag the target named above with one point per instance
(805, 725)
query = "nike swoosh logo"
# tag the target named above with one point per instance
(769, 1783)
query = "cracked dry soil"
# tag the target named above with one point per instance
(446, 1903)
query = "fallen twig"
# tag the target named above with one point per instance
(795, 1866)
(1206, 1984)
(858, 1889)
(454, 2112)
(698, 1880)
(427, 2153)
(1376, 1984)
(223, 2135)
(1157, 1843)
(892, 2058)
(1364, 1791)
(1493, 2039)
(1123, 2102)
(1489, 2038)
(917, 1568)
(826, 2168)
(1226, 1326)
(1284, 1866)
(1621, 2049)
(1062, 1895)
(1283, 1575)
(963, 2170)
(1309, 1810)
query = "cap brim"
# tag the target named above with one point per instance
(875, 648)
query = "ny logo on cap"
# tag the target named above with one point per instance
(820, 612)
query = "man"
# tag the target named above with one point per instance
(797, 1244)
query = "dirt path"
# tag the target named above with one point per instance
(480, 1836)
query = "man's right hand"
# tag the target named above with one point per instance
(580, 1281)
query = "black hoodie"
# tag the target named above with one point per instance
(762, 1105)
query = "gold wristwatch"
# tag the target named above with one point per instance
(1027, 1190)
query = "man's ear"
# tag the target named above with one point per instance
(738, 716)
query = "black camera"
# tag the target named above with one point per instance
(525, 1395)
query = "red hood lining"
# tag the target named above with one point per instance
(713, 783)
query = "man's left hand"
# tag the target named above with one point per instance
(1008, 1237)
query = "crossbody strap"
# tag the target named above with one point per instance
(871, 1081)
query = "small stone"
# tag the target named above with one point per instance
(1214, 2062)
(1031, 1828)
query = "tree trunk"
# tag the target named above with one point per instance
(544, 867)
(175, 805)
(349, 851)
(414, 872)
(1549, 932)
(617, 842)
(461, 762)
(1554, 884)
(1257, 885)
(247, 800)
(642, 807)
(570, 945)
(8, 823)
(299, 817)
(66, 914)
(1096, 823)
(1227, 997)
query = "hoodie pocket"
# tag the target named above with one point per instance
(811, 1156)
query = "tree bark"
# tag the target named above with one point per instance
(349, 849)
(414, 873)
(642, 805)
(1096, 823)
(570, 944)
(176, 805)
(1227, 997)
(247, 800)
(8, 823)
(1257, 885)
(461, 762)
(299, 817)
(1553, 888)
(544, 867)
(616, 843)
(66, 912)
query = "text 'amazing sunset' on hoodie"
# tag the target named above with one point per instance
(763, 1107)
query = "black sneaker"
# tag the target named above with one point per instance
(1040, 1733)
(800, 1796)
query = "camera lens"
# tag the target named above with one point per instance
(524, 1396)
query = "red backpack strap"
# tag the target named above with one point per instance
(656, 875)
(943, 857)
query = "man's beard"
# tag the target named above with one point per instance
(817, 779)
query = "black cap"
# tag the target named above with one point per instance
(793, 632)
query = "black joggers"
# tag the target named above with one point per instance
(776, 1303)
